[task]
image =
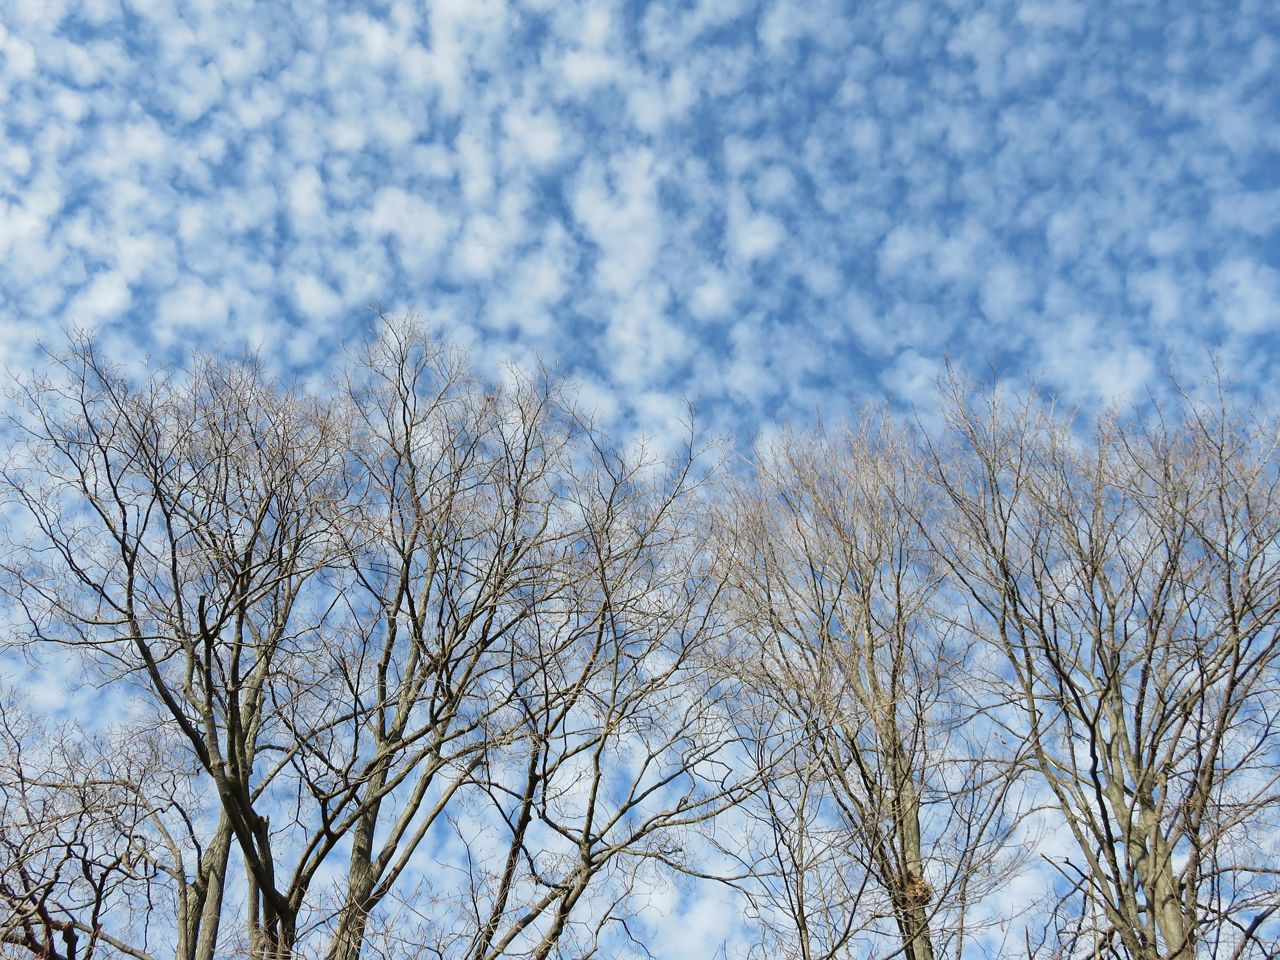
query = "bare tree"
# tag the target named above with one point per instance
(178, 525)
(454, 547)
(1130, 574)
(624, 740)
(425, 664)
(71, 844)
(318, 594)
(883, 809)
(96, 831)
(356, 611)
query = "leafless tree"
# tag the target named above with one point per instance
(883, 810)
(1129, 572)
(177, 527)
(622, 739)
(454, 546)
(357, 610)
(425, 664)
(71, 844)
(97, 832)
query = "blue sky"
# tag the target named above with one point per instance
(769, 208)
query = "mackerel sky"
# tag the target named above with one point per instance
(770, 209)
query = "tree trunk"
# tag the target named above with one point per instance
(361, 878)
(200, 913)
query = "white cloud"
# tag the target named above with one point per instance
(1052, 14)
(532, 135)
(753, 234)
(475, 167)
(904, 248)
(315, 298)
(980, 38)
(419, 228)
(643, 348)
(1005, 292)
(187, 308)
(712, 297)
(306, 197)
(913, 378)
(1255, 212)
(655, 103)
(480, 248)
(618, 209)
(1160, 290)
(537, 170)
(1248, 295)
(586, 70)
(19, 57)
(106, 297)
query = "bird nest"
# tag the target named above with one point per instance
(917, 890)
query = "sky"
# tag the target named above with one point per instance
(769, 210)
